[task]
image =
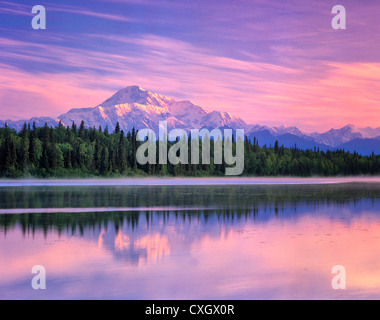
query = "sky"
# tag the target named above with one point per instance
(270, 62)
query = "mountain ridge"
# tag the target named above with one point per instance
(136, 107)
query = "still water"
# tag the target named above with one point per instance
(190, 242)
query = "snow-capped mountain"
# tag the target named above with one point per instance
(139, 108)
(336, 137)
(368, 132)
(276, 131)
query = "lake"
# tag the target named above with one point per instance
(190, 240)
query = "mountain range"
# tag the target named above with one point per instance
(139, 108)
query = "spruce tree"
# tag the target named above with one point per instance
(117, 128)
(81, 130)
(32, 151)
(122, 159)
(24, 150)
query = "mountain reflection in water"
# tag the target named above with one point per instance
(213, 242)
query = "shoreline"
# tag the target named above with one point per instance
(191, 181)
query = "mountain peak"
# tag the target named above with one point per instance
(136, 107)
(132, 94)
(133, 90)
(350, 126)
(136, 95)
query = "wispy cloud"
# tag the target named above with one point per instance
(22, 9)
(15, 8)
(85, 12)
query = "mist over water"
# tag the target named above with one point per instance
(191, 242)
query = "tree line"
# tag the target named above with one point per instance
(89, 152)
